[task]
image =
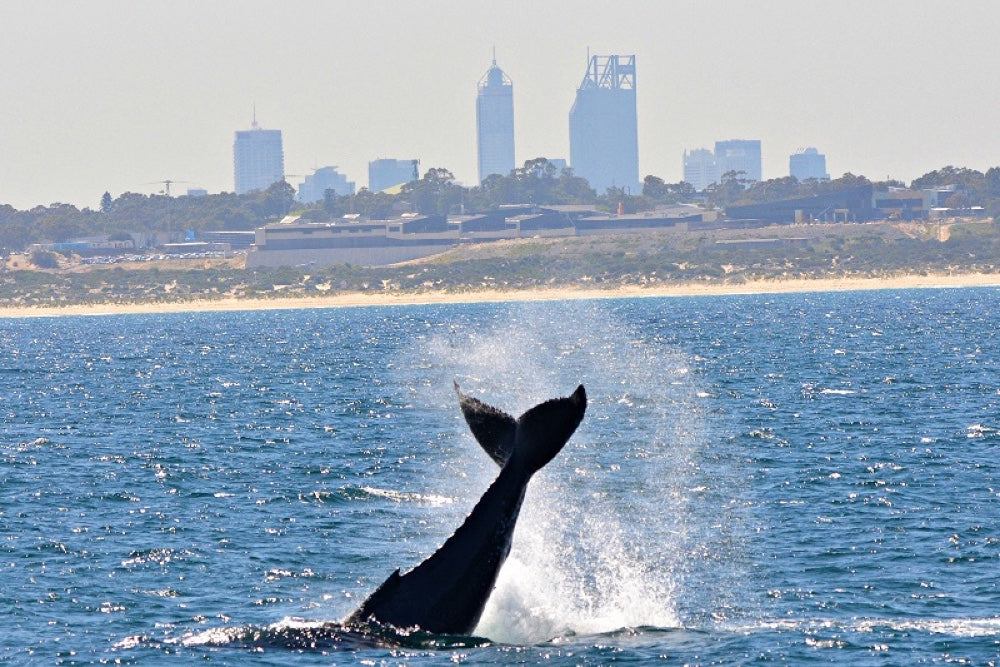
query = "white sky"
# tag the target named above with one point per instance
(114, 95)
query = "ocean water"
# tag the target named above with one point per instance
(758, 479)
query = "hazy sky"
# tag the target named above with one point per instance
(118, 94)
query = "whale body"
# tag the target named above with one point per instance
(447, 592)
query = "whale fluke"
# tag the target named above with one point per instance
(544, 429)
(550, 422)
(446, 593)
(493, 429)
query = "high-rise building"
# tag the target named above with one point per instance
(495, 123)
(808, 163)
(385, 173)
(559, 163)
(603, 130)
(700, 168)
(258, 159)
(739, 155)
(314, 188)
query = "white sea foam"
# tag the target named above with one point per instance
(978, 431)
(404, 497)
(574, 572)
(955, 627)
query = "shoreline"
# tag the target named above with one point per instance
(357, 299)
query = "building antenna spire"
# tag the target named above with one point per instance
(254, 123)
(494, 55)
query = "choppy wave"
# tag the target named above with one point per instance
(298, 634)
(404, 497)
(955, 627)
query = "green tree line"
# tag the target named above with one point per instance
(536, 182)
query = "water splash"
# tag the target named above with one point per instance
(606, 538)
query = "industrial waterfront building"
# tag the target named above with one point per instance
(495, 123)
(603, 128)
(386, 173)
(258, 159)
(349, 240)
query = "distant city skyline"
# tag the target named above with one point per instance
(385, 173)
(495, 123)
(603, 127)
(742, 156)
(807, 163)
(700, 168)
(703, 167)
(315, 185)
(161, 97)
(258, 158)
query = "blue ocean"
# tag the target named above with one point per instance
(801, 478)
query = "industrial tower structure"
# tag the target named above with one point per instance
(495, 123)
(258, 158)
(603, 130)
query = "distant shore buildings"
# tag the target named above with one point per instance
(703, 167)
(314, 188)
(739, 155)
(808, 163)
(295, 242)
(495, 123)
(700, 169)
(258, 159)
(603, 128)
(385, 173)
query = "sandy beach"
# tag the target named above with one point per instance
(343, 300)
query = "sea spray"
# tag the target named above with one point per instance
(604, 540)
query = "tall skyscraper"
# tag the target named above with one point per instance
(739, 155)
(700, 169)
(258, 159)
(603, 131)
(385, 173)
(495, 123)
(808, 163)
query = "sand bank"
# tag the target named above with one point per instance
(341, 300)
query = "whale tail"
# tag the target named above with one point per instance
(536, 436)
(493, 428)
(446, 593)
